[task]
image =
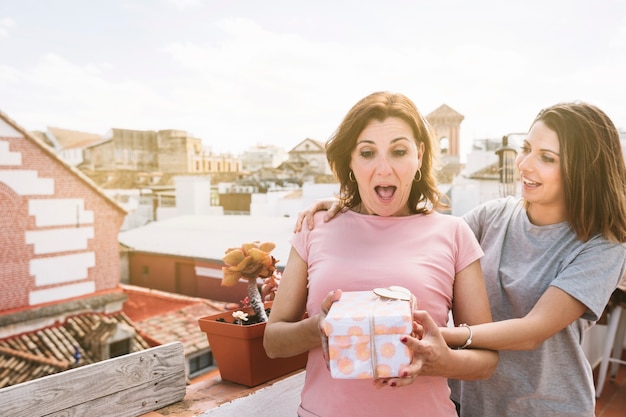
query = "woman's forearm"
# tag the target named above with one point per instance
(473, 364)
(513, 334)
(554, 311)
(286, 339)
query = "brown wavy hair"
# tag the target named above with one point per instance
(424, 195)
(592, 168)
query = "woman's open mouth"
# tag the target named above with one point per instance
(385, 192)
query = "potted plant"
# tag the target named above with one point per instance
(236, 337)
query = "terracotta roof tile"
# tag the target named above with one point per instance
(165, 317)
(50, 350)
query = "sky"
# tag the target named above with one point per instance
(242, 73)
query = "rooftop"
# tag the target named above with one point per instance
(165, 317)
(75, 339)
(60, 347)
(190, 235)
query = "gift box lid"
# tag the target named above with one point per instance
(358, 312)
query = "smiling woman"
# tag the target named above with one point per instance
(539, 166)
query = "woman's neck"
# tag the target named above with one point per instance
(540, 215)
(361, 209)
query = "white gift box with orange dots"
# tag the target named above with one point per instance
(364, 332)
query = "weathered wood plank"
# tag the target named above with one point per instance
(132, 402)
(125, 386)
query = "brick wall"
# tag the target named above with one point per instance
(88, 209)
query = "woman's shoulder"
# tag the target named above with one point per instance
(442, 220)
(503, 203)
(498, 206)
(601, 243)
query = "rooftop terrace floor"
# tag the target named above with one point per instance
(205, 394)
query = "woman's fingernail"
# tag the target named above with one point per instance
(404, 339)
(393, 384)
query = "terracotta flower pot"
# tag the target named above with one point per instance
(239, 353)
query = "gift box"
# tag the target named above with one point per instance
(364, 331)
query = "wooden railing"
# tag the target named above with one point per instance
(125, 386)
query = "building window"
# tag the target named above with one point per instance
(444, 145)
(119, 348)
(200, 363)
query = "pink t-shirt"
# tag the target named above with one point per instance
(355, 252)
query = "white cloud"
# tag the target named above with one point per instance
(272, 86)
(184, 4)
(80, 97)
(618, 42)
(6, 24)
(240, 74)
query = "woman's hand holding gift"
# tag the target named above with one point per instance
(430, 353)
(326, 304)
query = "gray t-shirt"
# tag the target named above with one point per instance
(521, 261)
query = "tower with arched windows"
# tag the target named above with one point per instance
(446, 125)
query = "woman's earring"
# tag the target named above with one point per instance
(420, 176)
(351, 176)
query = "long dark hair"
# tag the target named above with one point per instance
(592, 169)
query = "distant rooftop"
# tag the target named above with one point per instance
(207, 236)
